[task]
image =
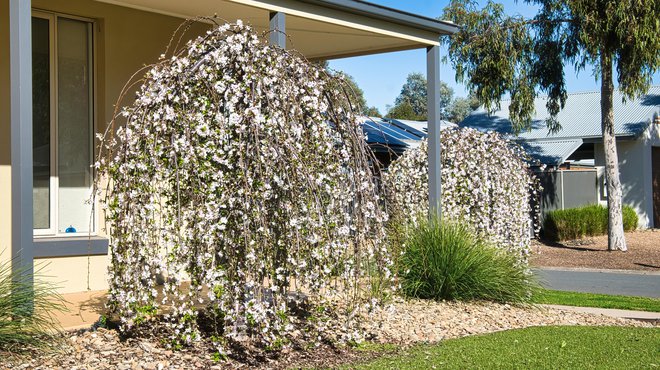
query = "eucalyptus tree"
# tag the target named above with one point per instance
(413, 92)
(495, 54)
(461, 107)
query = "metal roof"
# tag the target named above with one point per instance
(389, 14)
(580, 117)
(421, 126)
(551, 152)
(385, 134)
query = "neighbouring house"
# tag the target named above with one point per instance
(63, 65)
(388, 138)
(574, 156)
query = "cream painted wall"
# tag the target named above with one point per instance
(69, 274)
(635, 171)
(126, 40)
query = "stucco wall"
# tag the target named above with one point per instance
(126, 40)
(635, 171)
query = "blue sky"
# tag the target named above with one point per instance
(381, 76)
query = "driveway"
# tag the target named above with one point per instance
(599, 281)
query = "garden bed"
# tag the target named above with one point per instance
(403, 323)
(643, 253)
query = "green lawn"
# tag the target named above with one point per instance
(598, 300)
(558, 347)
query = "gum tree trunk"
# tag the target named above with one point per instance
(616, 239)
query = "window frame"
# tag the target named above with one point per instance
(52, 17)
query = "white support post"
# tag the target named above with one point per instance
(433, 103)
(20, 60)
(278, 29)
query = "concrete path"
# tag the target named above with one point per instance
(624, 314)
(83, 309)
(642, 284)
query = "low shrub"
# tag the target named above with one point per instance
(26, 310)
(447, 261)
(580, 222)
(630, 219)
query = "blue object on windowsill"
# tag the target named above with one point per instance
(70, 229)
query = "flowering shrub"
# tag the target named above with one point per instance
(485, 183)
(241, 175)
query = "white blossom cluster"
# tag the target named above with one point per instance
(241, 175)
(486, 183)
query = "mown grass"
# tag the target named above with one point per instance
(597, 300)
(580, 222)
(558, 347)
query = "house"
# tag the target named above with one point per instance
(575, 156)
(64, 64)
(388, 138)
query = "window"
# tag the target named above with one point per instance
(63, 124)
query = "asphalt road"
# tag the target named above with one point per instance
(631, 284)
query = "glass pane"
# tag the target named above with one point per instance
(41, 122)
(74, 131)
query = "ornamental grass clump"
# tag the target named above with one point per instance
(446, 261)
(27, 307)
(240, 174)
(486, 184)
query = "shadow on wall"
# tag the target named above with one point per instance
(631, 168)
(536, 152)
(651, 100)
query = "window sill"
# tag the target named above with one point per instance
(70, 246)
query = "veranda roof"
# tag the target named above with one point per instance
(319, 29)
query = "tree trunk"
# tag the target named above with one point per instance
(616, 239)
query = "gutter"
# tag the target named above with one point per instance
(391, 15)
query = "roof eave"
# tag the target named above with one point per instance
(364, 8)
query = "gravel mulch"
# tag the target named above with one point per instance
(403, 323)
(643, 253)
(408, 322)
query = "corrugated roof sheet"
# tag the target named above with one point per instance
(422, 126)
(551, 152)
(580, 117)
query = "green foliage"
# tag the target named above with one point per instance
(576, 223)
(26, 310)
(461, 108)
(412, 101)
(447, 261)
(357, 94)
(597, 300)
(564, 347)
(372, 112)
(413, 92)
(495, 54)
(630, 218)
(404, 110)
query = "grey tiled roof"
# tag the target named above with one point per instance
(580, 117)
